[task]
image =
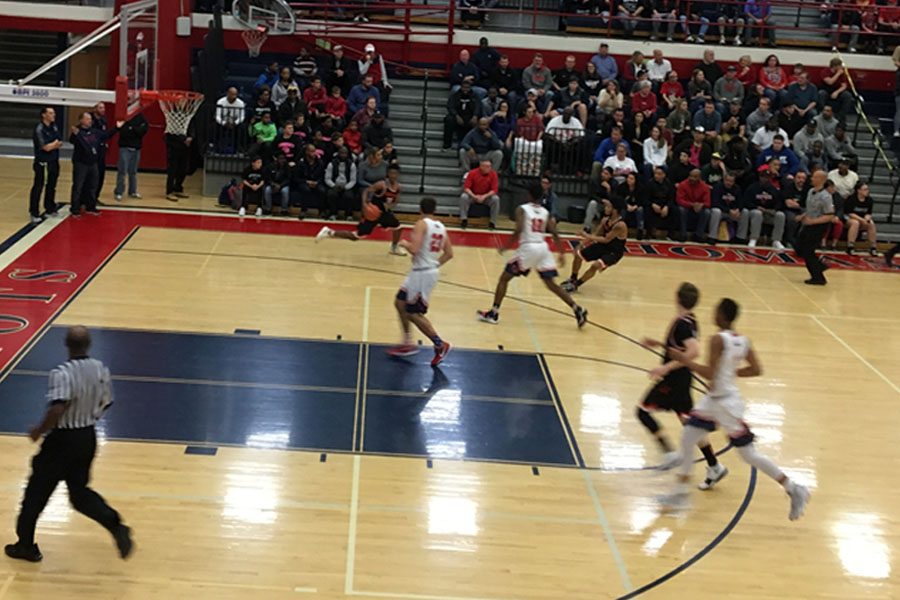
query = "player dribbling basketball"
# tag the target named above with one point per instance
(430, 248)
(602, 248)
(378, 202)
(533, 223)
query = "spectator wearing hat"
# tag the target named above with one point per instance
(291, 107)
(787, 159)
(698, 149)
(694, 203)
(356, 100)
(372, 63)
(339, 70)
(761, 203)
(465, 70)
(714, 172)
(377, 133)
(728, 89)
(480, 144)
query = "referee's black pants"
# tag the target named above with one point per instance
(66, 455)
(808, 240)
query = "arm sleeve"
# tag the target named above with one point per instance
(59, 388)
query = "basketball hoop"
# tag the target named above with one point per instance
(254, 38)
(179, 107)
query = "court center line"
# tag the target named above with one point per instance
(749, 289)
(487, 277)
(607, 531)
(211, 252)
(859, 356)
(351, 528)
(415, 596)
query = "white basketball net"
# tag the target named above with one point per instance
(179, 113)
(254, 38)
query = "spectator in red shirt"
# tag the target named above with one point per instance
(481, 186)
(644, 101)
(746, 74)
(336, 106)
(773, 78)
(835, 90)
(315, 97)
(693, 198)
(353, 138)
(671, 90)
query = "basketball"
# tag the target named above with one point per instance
(371, 212)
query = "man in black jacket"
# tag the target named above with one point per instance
(464, 70)
(87, 142)
(131, 137)
(504, 78)
(309, 181)
(463, 111)
(660, 209)
(98, 116)
(47, 142)
(339, 70)
(377, 133)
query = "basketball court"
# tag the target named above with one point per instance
(262, 444)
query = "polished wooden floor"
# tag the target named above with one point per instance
(255, 523)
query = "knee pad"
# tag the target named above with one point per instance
(647, 420)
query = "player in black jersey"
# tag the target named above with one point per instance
(672, 390)
(602, 248)
(378, 202)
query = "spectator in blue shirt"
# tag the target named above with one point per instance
(759, 21)
(790, 164)
(269, 77)
(47, 142)
(606, 65)
(356, 100)
(465, 70)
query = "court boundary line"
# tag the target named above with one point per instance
(607, 532)
(352, 526)
(859, 356)
(356, 400)
(561, 412)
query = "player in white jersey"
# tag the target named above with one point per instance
(533, 223)
(730, 356)
(430, 248)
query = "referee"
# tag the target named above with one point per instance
(79, 394)
(819, 213)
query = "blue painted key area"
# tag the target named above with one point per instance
(306, 394)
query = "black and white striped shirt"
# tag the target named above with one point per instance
(83, 384)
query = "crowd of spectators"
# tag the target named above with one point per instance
(865, 25)
(316, 134)
(725, 156)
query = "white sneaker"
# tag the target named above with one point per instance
(242, 212)
(799, 495)
(325, 232)
(897, 134)
(118, 197)
(670, 461)
(752, 244)
(737, 41)
(258, 212)
(397, 251)
(36, 220)
(689, 39)
(777, 245)
(713, 476)
(722, 39)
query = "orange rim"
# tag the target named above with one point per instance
(170, 95)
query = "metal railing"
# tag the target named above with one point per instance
(423, 148)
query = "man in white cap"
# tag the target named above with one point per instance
(372, 64)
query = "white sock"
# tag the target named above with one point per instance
(763, 463)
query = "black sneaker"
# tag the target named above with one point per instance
(464, 223)
(569, 285)
(491, 226)
(889, 258)
(23, 552)
(488, 316)
(816, 281)
(123, 541)
(580, 316)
